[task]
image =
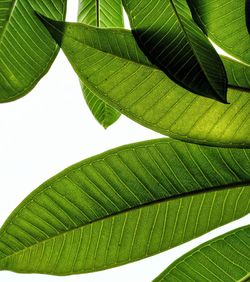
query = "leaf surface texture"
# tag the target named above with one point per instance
(238, 73)
(225, 22)
(166, 32)
(225, 258)
(92, 215)
(100, 14)
(26, 49)
(110, 62)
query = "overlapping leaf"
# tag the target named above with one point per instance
(110, 62)
(101, 14)
(26, 49)
(248, 15)
(238, 73)
(167, 33)
(225, 23)
(92, 216)
(225, 258)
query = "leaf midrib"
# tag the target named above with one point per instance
(8, 20)
(105, 52)
(171, 198)
(245, 279)
(125, 32)
(193, 49)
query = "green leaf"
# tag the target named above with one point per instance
(248, 15)
(100, 14)
(105, 114)
(26, 49)
(168, 35)
(92, 215)
(225, 258)
(110, 63)
(238, 73)
(225, 23)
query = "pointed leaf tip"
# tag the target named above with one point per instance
(167, 34)
(92, 215)
(99, 14)
(55, 28)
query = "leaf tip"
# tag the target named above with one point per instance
(55, 28)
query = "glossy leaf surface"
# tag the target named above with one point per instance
(166, 32)
(26, 48)
(100, 14)
(110, 62)
(225, 258)
(92, 215)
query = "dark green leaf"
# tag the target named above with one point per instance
(101, 14)
(225, 258)
(110, 62)
(92, 215)
(248, 15)
(26, 49)
(238, 73)
(225, 23)
(167, 33)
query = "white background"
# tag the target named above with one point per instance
(50, 129)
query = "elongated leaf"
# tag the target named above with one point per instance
(92, 216)
(110, 62)
(225, 258)
(102, 13)
(238, 73)
(167, 33)
(225, 23)
(26, 49)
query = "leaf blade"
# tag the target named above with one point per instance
(138, 89)
(26, 50)
(100, 14)
(230, 252)
(158, 180)
(226, 27)
(238, 73)
(167, 33)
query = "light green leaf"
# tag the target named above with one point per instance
(168, 35)
(225, 258)
(26, 49)
(225, 23)
(110, 63)
(238, 73)
(92, 215)
(100, 14)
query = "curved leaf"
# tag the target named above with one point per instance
(225, 23)
(167, 33)
(101, 14)
(26, 49)
(110, 62)
(225, 258)
(238, 73)
(92, 215)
